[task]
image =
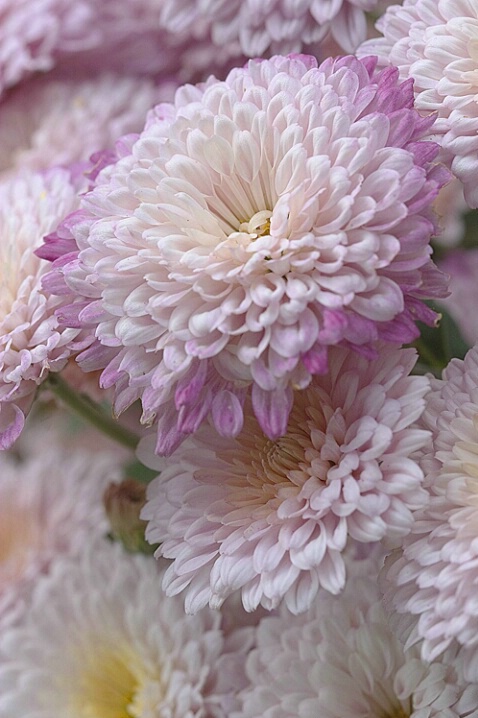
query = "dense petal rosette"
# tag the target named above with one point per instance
(31, 341)
(273, 518)
(50, 506)
(431, 582)
(340, 659)
(98, 639)
(58, 121)
(258, 27)
(253, 224)
(436, 43)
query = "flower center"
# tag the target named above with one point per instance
(110, 686)
(259, 225)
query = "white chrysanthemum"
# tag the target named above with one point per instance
(31, 342)
(340, 660)
(431, 582)
(32, 32)
(99, 640)
(52, 121)
(276, 26)
(273, 518)
(253, 224)
(50, 504)
(436, 43)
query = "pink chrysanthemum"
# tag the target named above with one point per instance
(341, 660)
(50, 505)
(33, 32)
(431, 582)
(253, 224)
(31, 341)
(98, 639)
(436, 43)
(273, 518)
(258, 27)
(52, 121)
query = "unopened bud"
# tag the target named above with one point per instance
(123, 503)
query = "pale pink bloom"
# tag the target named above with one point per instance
(431, 582)
(81, 37)
(50, 505)
(435, 42)
(273, 518)
(53, 121)
(252, 225)
(31, 341)
(256, 27)
(341, 660)
(97, 638)
(33, 32)
(462, 266)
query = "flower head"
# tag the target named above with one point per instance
(281, 26)
(31, 341)
(253, 224)
(436, 43)
(341, 659)
(273, 518)
(98, 639)
(50, 505)
(431, 582)
(52, 120)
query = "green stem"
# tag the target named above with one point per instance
(87, 409)
(428, 357)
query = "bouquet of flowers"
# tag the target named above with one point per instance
(239, 359)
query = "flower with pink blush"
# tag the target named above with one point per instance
(97, 638)
(252, 225)
(274, 518)
(276, 26)
(32, 33)
(50, 121)
(340, 659)
(31, 341)
(435, 42)
(430, 583)
(50, 505)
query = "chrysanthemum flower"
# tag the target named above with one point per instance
(50, 505)
(53, 121)
(282, 26)
(436, 43)
(253, 224)
(33, 32)
(431, 582)
(273, 518)
(31, 342)
(99, 640)
(341, 660)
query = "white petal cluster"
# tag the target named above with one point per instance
(340, 659)
(98, 639)
(50, 505)
(273, 518)
(31, 341)
(436, 43)
(431, 582)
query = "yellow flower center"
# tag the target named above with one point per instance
(259, 225)
(110, 686)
